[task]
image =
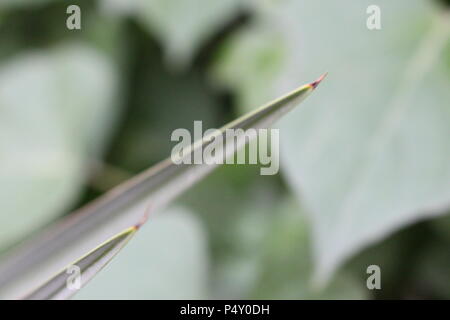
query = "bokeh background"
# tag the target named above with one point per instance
(365, 161)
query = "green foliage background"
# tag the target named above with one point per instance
(365, 163)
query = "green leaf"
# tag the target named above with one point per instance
(166, 260)
(21, 3)
(125, 205)
(151, 119)
(442, 226)
(83, 270)
(119, 7)
(249, 62)
(184, 25)
(272, 257)
(430, 276)
(55, 110)
(371, 155)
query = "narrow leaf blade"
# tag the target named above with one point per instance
(58, 288)
(124, 205)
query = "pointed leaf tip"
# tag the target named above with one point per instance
(314, 84)
(142, 221)
(58, 288)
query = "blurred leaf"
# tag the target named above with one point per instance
(21, 3)
(272, 258)
(167, 259)
(162, 103)
(372, 154)
(119, 7)
(222, 199)
(184, 25)
(442, 226)
(431, 276)
(249, 62)
(55, 110)
(396, 255)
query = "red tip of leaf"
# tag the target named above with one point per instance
(314, 84)
(142, 221)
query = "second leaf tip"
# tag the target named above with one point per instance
(315, 83)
